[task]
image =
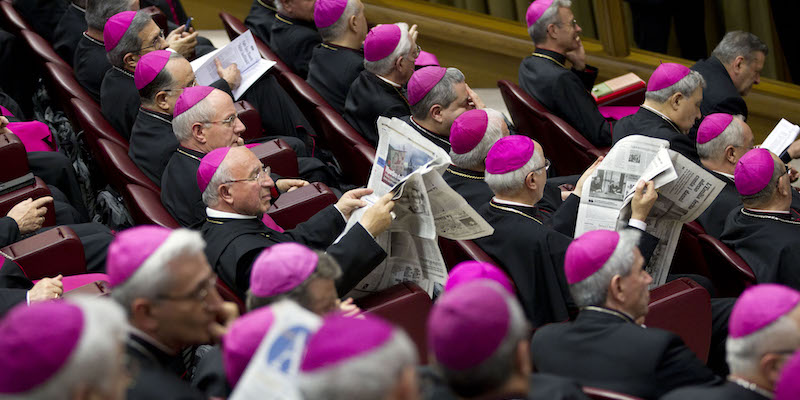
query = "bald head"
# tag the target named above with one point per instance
(210, 124)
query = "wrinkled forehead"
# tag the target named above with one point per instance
(181, 70)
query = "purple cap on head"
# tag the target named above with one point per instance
(712, 126)
(535, 11)
(341, 338)
(468, 130)
(149, 66)
(466, 325)
(753, 171)
(115, 28)
(666, 75)
(130, 249)
(759, 306)
(191, 96)
(587, 254)
(381, 41)
(327, 12)
(36, 342)
(242, 340)
(281, 268)
(425, 59)
(788, 386)
(509, 154)
(469, 271)
(422, 81)
(208, 166)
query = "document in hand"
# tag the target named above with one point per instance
(243, 52)
(781, 137)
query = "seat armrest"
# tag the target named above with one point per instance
(297, 206)
(14, 156)
(50, 253)
(36, 190)
(277, 155)
(251, 120)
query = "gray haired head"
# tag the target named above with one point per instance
(685, 86)
(130, 41)
(443, 94)
(739, 43)
(338, 28)
(538, 31)
(99, 11)
(593, 290)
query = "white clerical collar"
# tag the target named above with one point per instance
(768, 211)
(149, 339)
(729, 176)
(223, 214)
(509, 202)
(663, 116)
(388, 81)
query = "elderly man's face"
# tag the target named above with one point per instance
(182, 77)
(750, 74)
(688, 110)
(748, 140)
(635, 287)
(225, 128)
(322, 296)
(407, 63)
(152, 39)
(361, 22)
(567, 30)
(459, 106)
(251, 194)
(300, 9)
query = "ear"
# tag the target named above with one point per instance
(142, 315)
(197, 133)
(225, 193)
(436, 113)
(530, 181)
(522, 358)
(129, 60)
(770, 366)
(161, 100)
(730, 154)
(398, 63)
(786, 190)
(615, 289)
(737, 63)
(352, 24)
(551, 30)
(675, 100)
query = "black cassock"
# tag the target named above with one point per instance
(293, 40)
(260, 19)
(332, 71)
(152, 143)
(647, 123)
(768, 242)
(180, 194)
(726, 391)
(119, 100)
(90, 64)
(56, 169)
(43, 16)
(605, 349)
(719, 95)
(566, 93)
(173, 9)
(10, 298)
(209, 376)
(371, 97)
(158, 374)
(233, 244)
(68, 32)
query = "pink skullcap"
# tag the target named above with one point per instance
(381, 41)
(149, 66)
(535, 11)
(509, 154)
(281, 268)
(208, 166)
(36, 342)
(712, 126)
(115, 28)
(759, 306)
(327, 12)
(666, 75)
(422, 81)
(587, 254)
(425, 59)
(466, 325)
(241, 341)
(468, 130)
(130, 249)
(788, 386)
(469, 271)
(341, 338)
(191, 96)
(753, 171)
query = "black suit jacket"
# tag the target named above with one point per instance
(119, 100)
(371, 97)
(260, 19)
(152, 143)
(69, 32)
(720, 95)
(725, 391)
(293, 41)
(542, 387)
(90, 64)
(10, 298)
(332, 70)
(158, 374)
(713, 218)
(180, 194)
(648, 123)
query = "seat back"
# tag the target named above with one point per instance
(42, 49)
(122, 170)
(456, 251)
(278, 156)
(280, 67)
(603, 394)
(306, 98)
(12, 20)
(233, 26)
(342, 139)
(32, 190)
(14, 156)
(689, 257)
(251, 120)
(730, 274)
(146, 208)
(47, 254)
(95, 126)
(297, 206)
(684, 308)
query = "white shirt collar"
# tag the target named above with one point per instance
(769, 211)
(729, 176)
(224, 214)
(388, 81)
(509, 202)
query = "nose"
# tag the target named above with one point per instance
(578, 28)
(238, 126)
(649, 277)
(758, 79)
(267, 182)
(214, 299)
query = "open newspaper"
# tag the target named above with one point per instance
(685, 190)
(243, 52)
(411, 167)
(781, 137)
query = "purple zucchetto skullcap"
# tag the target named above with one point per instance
(425, 59)
(712, 126)
(381, 41)
(753, 171)
(466, 325)
(36, 343)
(788, 386)
(327, 12)
(341, 338)
(535, 11)
(666, 75)
(468, 130)
(191, 96)
(469, 271)
(115, 28)
(509, 154)
(281, 268)
(242, 340)
(588, 253)
(422, 81)
(208, 166)
(759, 306)
(130, 249)
(149, 66)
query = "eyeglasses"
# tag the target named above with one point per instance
(199, 294)
(574, 23)
(191, 84)
(263, 173)
(226, 122)
(157, 41)
(788, 169)
(546, 166)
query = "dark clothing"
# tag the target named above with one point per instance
(179, 191)
(11, 105)
(332, 71)
(473, 188)
(566, 93)
(280, 115)
(726, 391)
(209, 377)
(10, 298)
(261, 18)
(158, 374)
(371, 97)
(69, 32)
(542, 387)
(720, 95)
(652, 24)
(713, 218)
(605, 349)
(293, 40)
(173, 9)
(442, 142)
(152, 143)
(90, 64)
(55, 169)
(119, 100)
(648, 123)
(233, 244)
(42, 15)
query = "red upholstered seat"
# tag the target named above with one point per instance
(280, 66)
(456, 251)
(251, 120)
(684, 308)
(228, 295)
(233, 26)
(14, 156)
(277, 155)
(306, 98)
(12, 20)
(299, 205)
(55, 251)
(342, 138)
(689, 258)
(91, 120)
(121, 169)
(146, 208)
(602, 394)
(42, 49)
(63, 87)
(32, 188)
(730, 274)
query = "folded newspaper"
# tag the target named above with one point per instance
(685, 190)
(410, 166)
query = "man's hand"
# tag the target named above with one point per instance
(793, 175)
(351, 200)
(4, 125)
(230, 74)
(578, 56)
(412, 33)
(794, 149)
(474, 99)
(349, 309)
(643, 200)
(287, 185)
(586, 174)
(226, 314)
(29, 214)
(182, 42)
(46, 289)
(378, 217)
